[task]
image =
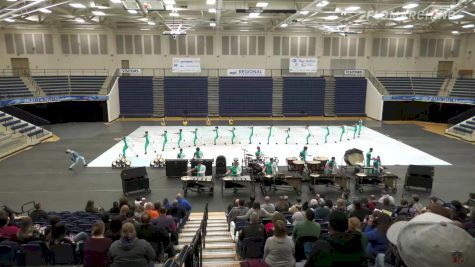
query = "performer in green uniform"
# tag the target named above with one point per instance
(330, 166)
(251, 134)
(303, 154)
(342, 132)
(180, 137)
(198, 154)
(165, 139)
(195, 138)
(199, 168)
(270, 134)
(355, 130)
(234, 170)
(216, 134)
(309, 134)
(368, 157)
(288, 136)
(360, 125)
(271, 167)
(233, 135)
(327, 133)
(147, 141)
(180, 154)
(377, 165)
(125, 147)
(258, 152)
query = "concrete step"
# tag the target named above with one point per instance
(220, 263)
(227, 254)
(212, 229)
(212, 224)
(221, 245)
(209, 239)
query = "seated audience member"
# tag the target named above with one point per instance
(459, 211)
(145, 229)
(376, 227)
(277, 216)
(415, 206)
(97, 246)
(150, 210)
(340, 249)
(139, 211)
(372, 203)
(7, 231)
(52, 221)
(114, 230)
(257, 209)
(469, 224)
(324, 210)
(90, 207)
(115, 208)
(268, 206)
(38, 213)
(298, 216)
(306, 228)
(430, 240)
(340, 206)
(359, 211)
(58, 236)
(279, 249)
(27, 232)
(402, 211)
(293, 208)
(123, 201)
(239, 210)
(166, 203)
(232, 205)
(250, 204)
(183, 203)
(354, 226)
(253, 230)
(386, 206)
(129, 250)
(282, 205)
(312, 204)
(471, 201)
(157, 205)
(440, 210)
(384, 194)
(346, 197)
(176, 211)
(164, 221)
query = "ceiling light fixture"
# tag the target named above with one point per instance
(169, 7)
(44, 10)
(151, 23)
(455, 32)
(98, 13)
(116, 1)
(210, 2)
(400, 18)
(212, 10)
(262, 4)
(455, 17)
(254, 14)
(408, 26)
(132, 11)
(322, 3)
(212, 24)
(284, 25)
(169, 2)
(144, 29)
(9, 19)
(331, 17)
(410, 5)
(379, 15)
(80, 20)
(11, 0)
(174, 14)
(77, 5)
(468, 26)
(304, 12)
(243, 30)
(352, 8)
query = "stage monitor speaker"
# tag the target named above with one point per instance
(135, 181)
(207, 162)
(132, 173)
(176, 167)
(221, 165)
(419, 176)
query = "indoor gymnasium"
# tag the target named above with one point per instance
(270, 133)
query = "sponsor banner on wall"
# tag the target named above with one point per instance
(425, 98)
(354, 72)
(48, 99)
(303, 64)
(247, 72)
(186, 64)
(130, 71)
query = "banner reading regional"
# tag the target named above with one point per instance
(186, 64)
(301, 64)
(246, 72)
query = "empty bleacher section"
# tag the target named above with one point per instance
(350, 96)
(412, 85)
(13, 87)
(53, 85)
(86, 85)
(303, 96)
(463, 88)
(245, 96)
(186, 96)
(136, 97)
(464, 130)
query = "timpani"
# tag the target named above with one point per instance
(299, 166)
(290, 163)
(313, 166)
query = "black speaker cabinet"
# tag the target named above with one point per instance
(221, 165)
(176, 167)
(207, 162)
(135, 181)
(419, 176)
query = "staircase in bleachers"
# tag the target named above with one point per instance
(277, 96)
(303, 96)
(464, 130)
(86, 85)
(158, 97)
(329, 96)
(245, 96)
(350, 96)
(412, 85)
(186, 96)
(136, 96)
(463, 88)
(13, 87)
(213, 96)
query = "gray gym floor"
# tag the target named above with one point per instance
(41, 173)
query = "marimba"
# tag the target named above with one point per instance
(238, 182)
(338, 181)
(278, 180)
(198, 183)
(388, 179)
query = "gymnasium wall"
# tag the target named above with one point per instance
(113, 104)
(86, 49)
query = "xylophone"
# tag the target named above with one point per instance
(197, 183)
(238, 182)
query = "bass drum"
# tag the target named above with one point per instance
(255, 168)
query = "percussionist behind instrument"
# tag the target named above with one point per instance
(235, 170)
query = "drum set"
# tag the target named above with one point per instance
(158, 162)
(121, 163)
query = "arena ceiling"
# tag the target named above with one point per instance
(182, 16)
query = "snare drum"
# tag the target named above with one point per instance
(299, 165)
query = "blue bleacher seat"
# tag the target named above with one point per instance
(13, 87)
(350, 96)
(303, 96)
(136, 96)
(412, 85)
(53, 85)
(186, 96)
(464, 88)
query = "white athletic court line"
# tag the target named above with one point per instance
(391, 151)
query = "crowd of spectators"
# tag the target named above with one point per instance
(372, 231)
(137, 233)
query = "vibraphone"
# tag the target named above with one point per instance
(238, 182)
(273, 181)
(338, 181)
(197, 183)
(388, 179)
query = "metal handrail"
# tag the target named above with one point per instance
(390, 73)
(56, 72)
(377, 84)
